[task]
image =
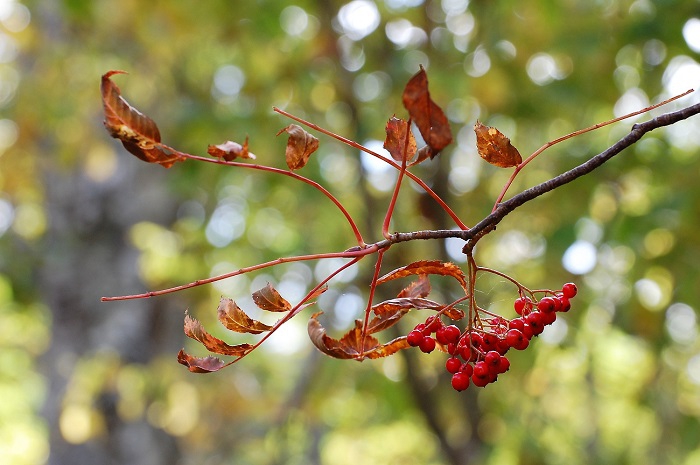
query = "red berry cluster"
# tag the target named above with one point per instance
(477, 355)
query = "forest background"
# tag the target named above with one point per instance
(616, 381)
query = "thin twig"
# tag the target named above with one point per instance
(386, 160)
(578, 133)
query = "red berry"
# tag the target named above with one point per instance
(460, 381)
(503, 365)
(546, 305)
(440, 336)
(448, 334)
(452, 348)
(475, 338)
(569, 290)
(453, 333)
(516, 323)
(517, 340)
(432, 324)
(414, 338)
(527, 331)
(548, 318)
(513, 337)
(467, 369)
(520, 305)
(427, 345)
(565, 304)
(489, 341)
(502, 347)
(491, 358)
(468, 353)
(453, 365)
(481, 369)
(480, 381)
(536, 322)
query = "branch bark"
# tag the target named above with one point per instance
(489, 223)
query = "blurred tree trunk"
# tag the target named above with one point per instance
(87, 255)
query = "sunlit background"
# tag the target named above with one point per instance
(615, 381)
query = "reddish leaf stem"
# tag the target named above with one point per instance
(355, 252)
(292, 174)
(357, 146)
(574, 134)
(370, 298)
(397, 187)
(295, 310)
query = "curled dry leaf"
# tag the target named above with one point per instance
(407, 303)
(230, 150)
(138, 133)
(234, 319)
(495, 148)
(343, 348)
(399, 140)
(300, 146)
(426, 114)
(199, 365)
(269, 299)
(195, 330)
(418, 288)
(427, 267)
(389, 348)
(352, 345)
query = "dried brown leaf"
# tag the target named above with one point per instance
(495, 148)
(233, 318)
(138, 133)
(269, 299)
(427, 267)
(424, 153)
(399, 140)
(318, 292)
(347, 347)
(418, 288)
(426, 114)
(387, 349)
(386, 318)
(199, 365)
(230, 150)
(195, 330)
(300, 146)
(399, 303)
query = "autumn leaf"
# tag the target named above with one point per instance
(399, 140)
(424, 153)
(427, 267)
(418, 288)
(392, 305)
(300, 146)
(426, 114)
(230, 150)
(390, 348)
(386, 319)
(391, 311)
(346, 348)
(138, 133)
(199, 365)
(318, 292)
(195, 330)
(350, 346)
(234, 319)
(269, 299)
(495, 148)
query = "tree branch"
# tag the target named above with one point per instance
(490, 222)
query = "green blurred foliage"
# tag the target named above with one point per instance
(616, 381)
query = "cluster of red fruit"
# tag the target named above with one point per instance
(478, 354)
